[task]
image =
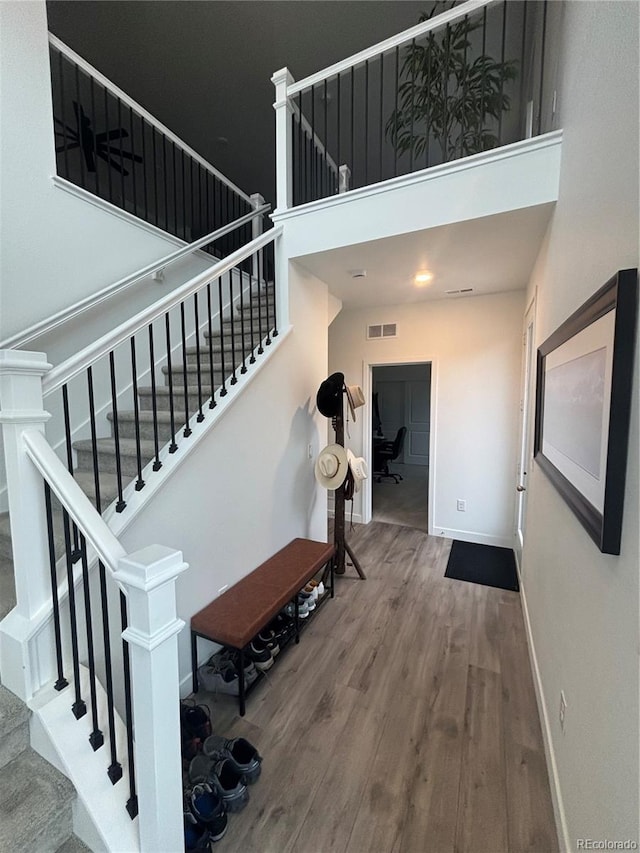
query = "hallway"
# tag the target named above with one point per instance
(405, 720)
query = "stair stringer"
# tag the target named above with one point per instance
(100, 818)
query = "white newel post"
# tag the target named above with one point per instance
(149, 578)
(284, 166)
(257, 227)
(22, 409)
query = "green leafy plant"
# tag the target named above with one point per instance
(447, 95)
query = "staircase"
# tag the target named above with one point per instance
(35, 798)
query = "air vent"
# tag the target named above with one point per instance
(460, 292)
(382, 330)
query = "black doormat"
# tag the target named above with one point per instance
(485, 564)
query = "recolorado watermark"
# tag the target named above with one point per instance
(605, 844)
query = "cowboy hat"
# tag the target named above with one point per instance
(355, 398)
(329, 396)
(359, 469)
(331, 466)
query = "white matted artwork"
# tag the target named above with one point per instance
(583, 407)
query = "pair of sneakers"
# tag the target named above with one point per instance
(205, 817)
(220, 673)
(222, 776)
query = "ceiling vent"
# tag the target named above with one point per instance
(358, 273)
(463, 291)
(382, 330)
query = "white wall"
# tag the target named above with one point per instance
(583, 606)
(249, 488)
(56, 248)
(474, 345)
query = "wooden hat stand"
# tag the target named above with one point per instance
(342, 546)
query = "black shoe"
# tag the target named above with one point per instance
(258, 652)
(207, 807)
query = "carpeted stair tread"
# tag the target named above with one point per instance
(107, 446)
(7, 587)
(14, 726)
(73, 845)
(5, 536)
(35, 805)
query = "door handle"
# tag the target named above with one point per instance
(521, 488)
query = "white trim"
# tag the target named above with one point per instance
(126, 99)
(471, 536)
(389, 44)
(506, 152)
(23, 416)
(562, 829)
(77, 363)
(149, 643)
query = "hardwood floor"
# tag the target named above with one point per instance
(404, 721)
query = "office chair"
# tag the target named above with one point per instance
(385, 453)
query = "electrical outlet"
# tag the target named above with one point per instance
(462, 505)
(310, 451)
(563, 709)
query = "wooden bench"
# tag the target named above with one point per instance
(235, 617)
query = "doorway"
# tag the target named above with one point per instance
(400, 444)
(526, 429)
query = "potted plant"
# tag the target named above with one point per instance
(449, 95)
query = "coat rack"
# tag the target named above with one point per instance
(342, 546)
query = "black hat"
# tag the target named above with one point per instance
(329, 397)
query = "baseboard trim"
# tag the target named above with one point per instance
(357, 516)
(472, 536)
(562, 829)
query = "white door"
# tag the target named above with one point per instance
(526, 429)
(417, 417)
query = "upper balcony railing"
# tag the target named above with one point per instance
(111, 146)
(467, 78)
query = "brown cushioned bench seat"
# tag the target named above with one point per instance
(236, 616)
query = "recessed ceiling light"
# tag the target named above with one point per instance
(423, 277)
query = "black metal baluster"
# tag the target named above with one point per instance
(381, 112)
(266, 291)
(413, 87)
(200, 417)
(464, 87)
(157, 464)
(155, 175)
(542, 53)
(145, 180)
(80, 128)
(75, 553)
(96, 738)
(339, 116)
(243, 369)
(166, 184)
(366, 123)
(132, 802)
(484, 47)
(115, 769)
(270, 249)
(95, 143)
(106, 124)
(173, 446)
(79, 707)
(187, 428)
(427, 130)
(395, 147)
(314, 177)
(184, 198)
(61, 682)
(260, 276)
(254, 265)
(175, 189)
(234, 378)
(504, 36)
(223, 389)
(212, 401)
(136, 413)
(326, 143)
(116, 436)
(63, 113)
(522, 61)
(445, 118)
(133, 163)
(124, 207)
(353, 95)
(295, 166)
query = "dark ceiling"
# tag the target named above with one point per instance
(204, 68)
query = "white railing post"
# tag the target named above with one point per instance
(344, 178)
(21, 409)
(257, 227)
(149, 578)
(284, 148)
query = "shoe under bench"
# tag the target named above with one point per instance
(235, 617)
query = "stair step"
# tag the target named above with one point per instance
(107, 455)
(177, 372)
(14, 726)
(6, 551)
(162, 399)
(35, 805)
(192, 356)
(127, 424)
(73, 845)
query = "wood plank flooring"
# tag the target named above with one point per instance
(404, 721)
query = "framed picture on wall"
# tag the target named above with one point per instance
(583, 407)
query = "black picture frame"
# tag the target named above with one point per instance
(587, 461)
